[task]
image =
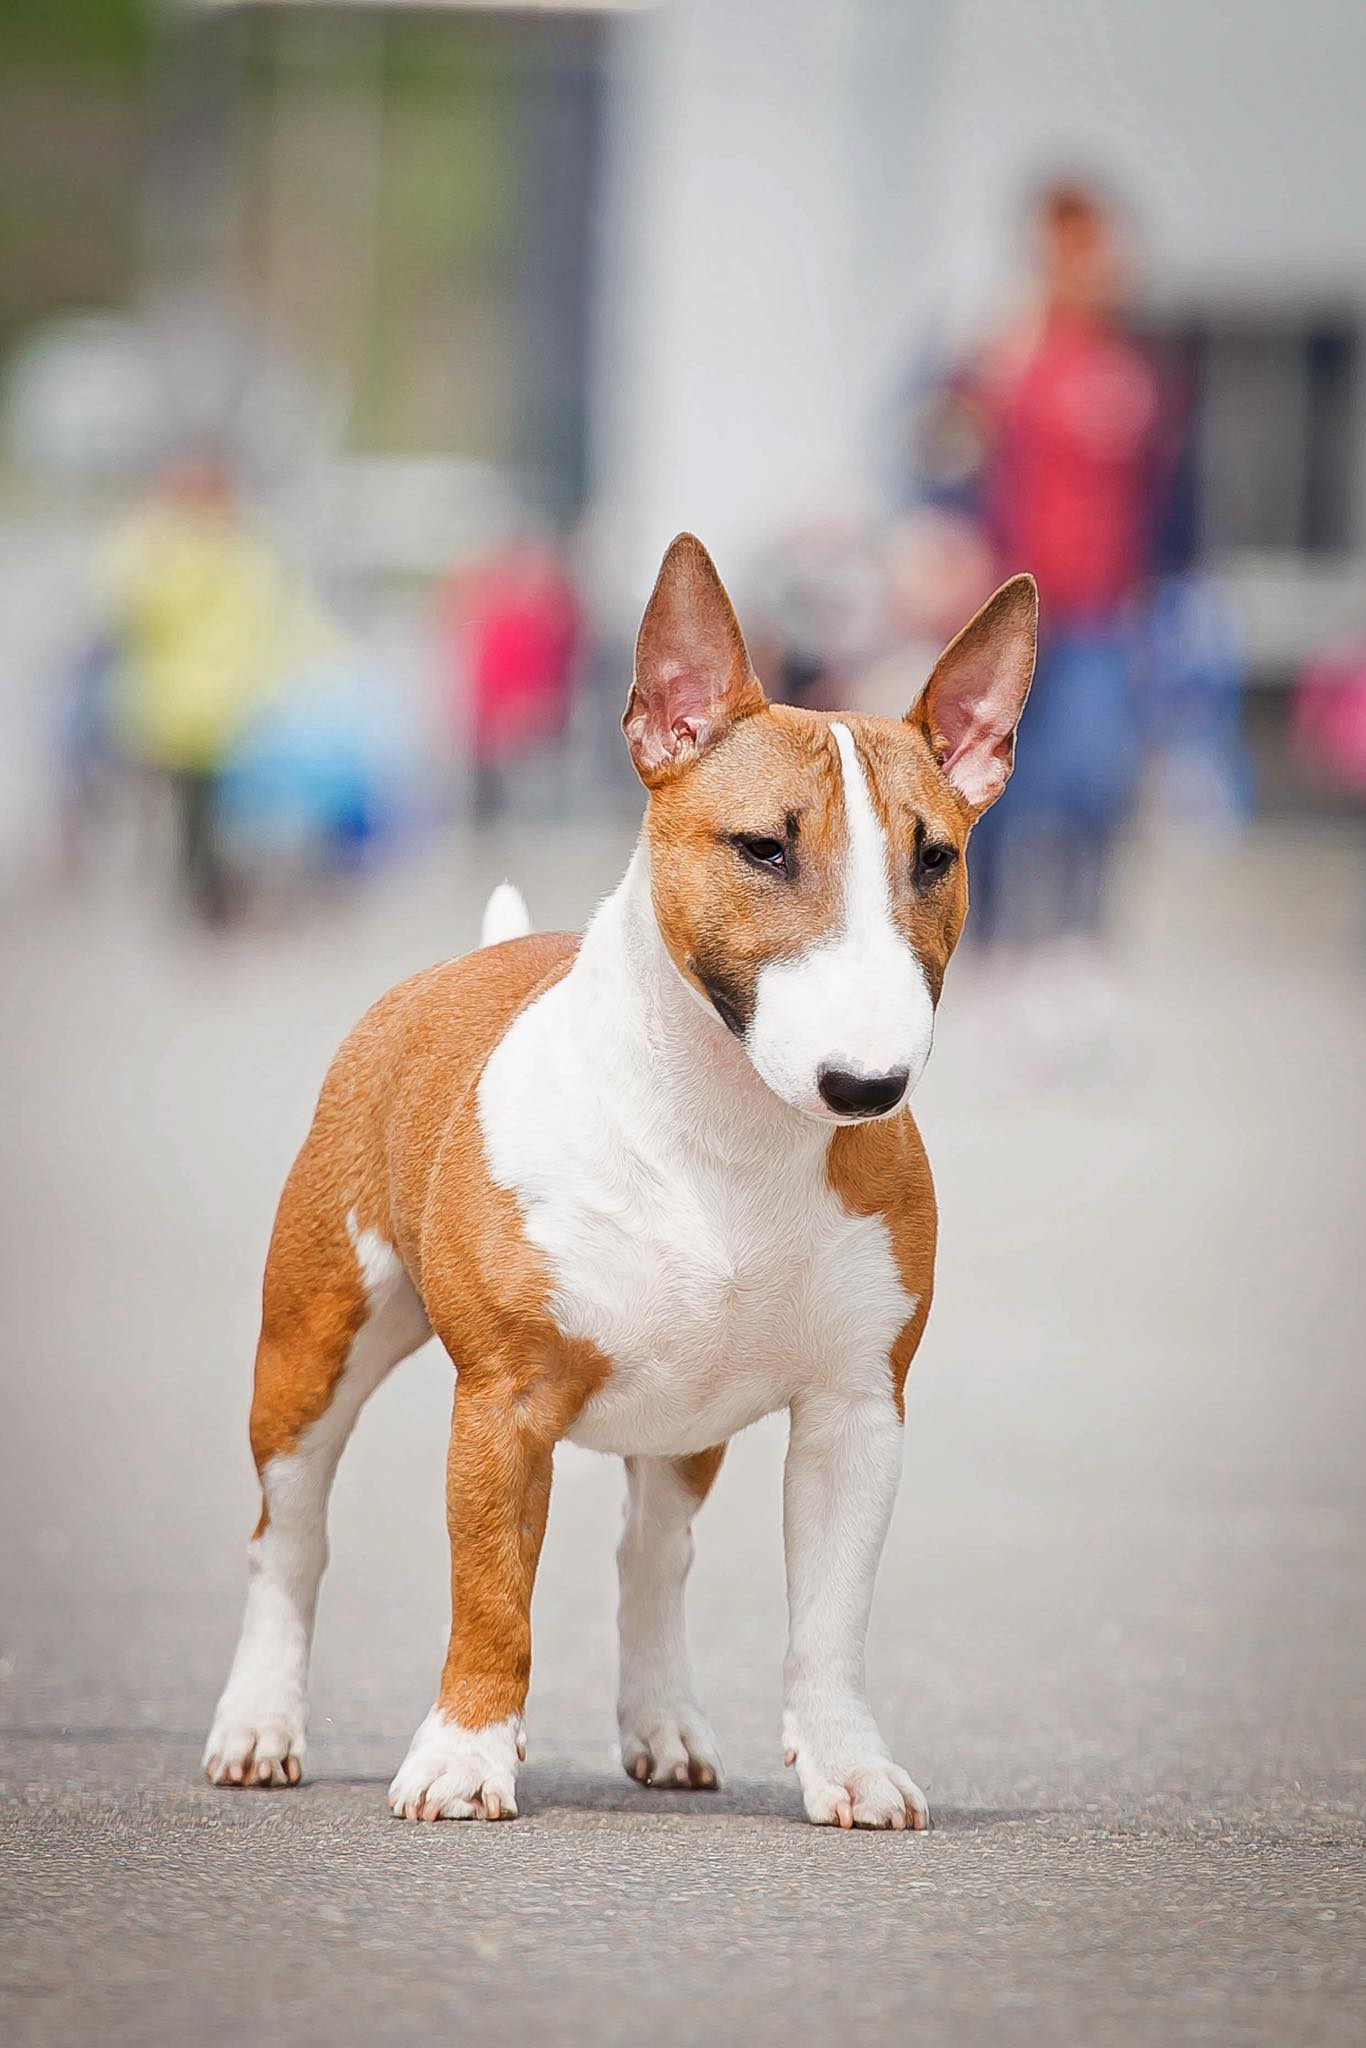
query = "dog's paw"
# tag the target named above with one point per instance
(255, 1742)
(672, 1746)
(873, 1795)
(848, 1780)
(455, 1773)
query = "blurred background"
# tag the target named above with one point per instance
(357, 361)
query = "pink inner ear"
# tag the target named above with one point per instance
(973, 721)
(674, 710)
(687, 694)
(692, 672)
(972, 702)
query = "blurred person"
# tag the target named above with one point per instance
(1057, 436)
(208, 621)
(512, 630)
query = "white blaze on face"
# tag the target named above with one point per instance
(857, 999)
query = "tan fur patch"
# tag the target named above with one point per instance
(698, 1472)
(880, 1169)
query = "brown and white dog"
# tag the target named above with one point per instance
(646, 1187)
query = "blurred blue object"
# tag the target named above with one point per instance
(84, 738)
(331, 767)
(1193, 698)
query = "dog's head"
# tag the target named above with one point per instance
(808, 871)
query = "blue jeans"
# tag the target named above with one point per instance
(1040, 857)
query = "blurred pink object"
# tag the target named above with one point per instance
(1330, 716)
(515, 625)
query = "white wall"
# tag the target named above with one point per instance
(1235, 125)
(725, 385)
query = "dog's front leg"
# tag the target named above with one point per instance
(462, 1762)
(665, 1739)
(843, 1462)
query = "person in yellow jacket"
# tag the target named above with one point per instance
(210, 623)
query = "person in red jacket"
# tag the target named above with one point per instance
(1062, 439)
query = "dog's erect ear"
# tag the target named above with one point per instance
(692, 676)
(972, 702)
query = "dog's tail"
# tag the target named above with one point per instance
(505, 916)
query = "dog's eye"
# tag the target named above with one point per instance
(935, 861)
(765, 853)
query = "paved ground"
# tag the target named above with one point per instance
(1119, 1632)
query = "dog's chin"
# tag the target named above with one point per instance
(819, 1114)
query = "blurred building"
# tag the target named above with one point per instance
(453, 265)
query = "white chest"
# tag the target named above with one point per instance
(717, 1290)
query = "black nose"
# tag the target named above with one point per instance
(862, 1094)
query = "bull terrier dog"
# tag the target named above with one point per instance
(646, 1186)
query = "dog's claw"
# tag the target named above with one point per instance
(253, 1747)
(668, 1747)
(878, 1794)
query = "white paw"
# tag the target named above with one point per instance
(255, 1740)
(668, 1745)
(847, 1777)
(455, 1773)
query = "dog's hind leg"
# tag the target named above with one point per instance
(665, 1739)
(339, 1314)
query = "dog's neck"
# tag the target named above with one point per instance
(664, 1062)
